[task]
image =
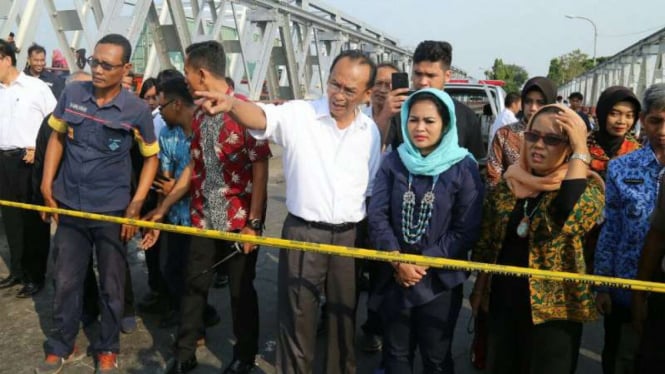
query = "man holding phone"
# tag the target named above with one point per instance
(431, 69)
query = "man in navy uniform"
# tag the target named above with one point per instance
(98, 121)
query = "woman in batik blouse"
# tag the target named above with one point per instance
(426, 200)
(537, 217)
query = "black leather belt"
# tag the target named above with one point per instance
(12, 152)
(332, 227)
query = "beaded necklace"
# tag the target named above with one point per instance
(413, 231)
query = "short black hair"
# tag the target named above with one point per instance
(208, 55)
(576, 95)
(120, 41)
(230, 83)
(146, 86)
(176, 88)
(165, 75)
(36, 48)
(7, 50)
(362, 58)
(512, 98)
(11, 33)
(433, 51)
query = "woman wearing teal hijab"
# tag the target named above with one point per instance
(427, 200)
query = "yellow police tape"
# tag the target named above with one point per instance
(368, 254)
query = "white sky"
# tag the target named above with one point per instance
(524, 32)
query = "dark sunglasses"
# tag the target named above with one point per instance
(548, 139)
(105, 65)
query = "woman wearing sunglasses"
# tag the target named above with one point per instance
(427, 200)
(537, 217)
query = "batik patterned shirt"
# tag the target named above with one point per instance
(599, 158)
(631, 190)
(221, 184)
(504, 151)
(551, 247)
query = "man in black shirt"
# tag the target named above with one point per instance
(431, 69)
(35, 68)
(576, 101)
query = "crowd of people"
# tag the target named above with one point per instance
(365, 165)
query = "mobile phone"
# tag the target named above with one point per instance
(400, 80)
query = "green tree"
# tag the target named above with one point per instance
(513, 75)
(570, 65)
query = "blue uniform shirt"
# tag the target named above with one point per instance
(630, 198)
(95, 172)
(174, 156)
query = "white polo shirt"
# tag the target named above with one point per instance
(328, 171)
(23, 105)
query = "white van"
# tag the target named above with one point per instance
(485, 97)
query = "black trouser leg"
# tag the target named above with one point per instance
(15, 183)
(173, 260)
(613, 323)
(37, 240)
(202, 255)
(241, 270)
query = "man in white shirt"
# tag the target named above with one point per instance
(331, 154)
(513, 104)
(24, 102)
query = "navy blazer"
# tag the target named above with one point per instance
(453, 230)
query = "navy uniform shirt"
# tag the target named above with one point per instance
(95, 173)
(53, 81)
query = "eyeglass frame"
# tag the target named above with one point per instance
(94, 62)
(547, 138)
(161, 107)
(336, 87)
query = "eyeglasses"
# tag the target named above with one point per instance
(549, 139)
(105, 65)
(161, 107)
(335, 87)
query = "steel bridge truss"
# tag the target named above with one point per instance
(636, 67)
(276, 49)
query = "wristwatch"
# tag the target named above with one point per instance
(255, 224)
(586, 158)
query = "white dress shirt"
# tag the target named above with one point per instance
(328, 171)
(23, 105)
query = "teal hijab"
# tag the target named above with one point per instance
(446, 154)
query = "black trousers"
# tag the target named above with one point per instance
(613, 324)
(651, 355)
(302, 278)
(15, 185)
(372, 324)
(429, 327)
(203, 253)
(517, 346)
(36, 247)
(173, 257)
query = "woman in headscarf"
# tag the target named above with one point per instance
(58, 60)
(427, 200)
(537, 217)
(617, 111)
